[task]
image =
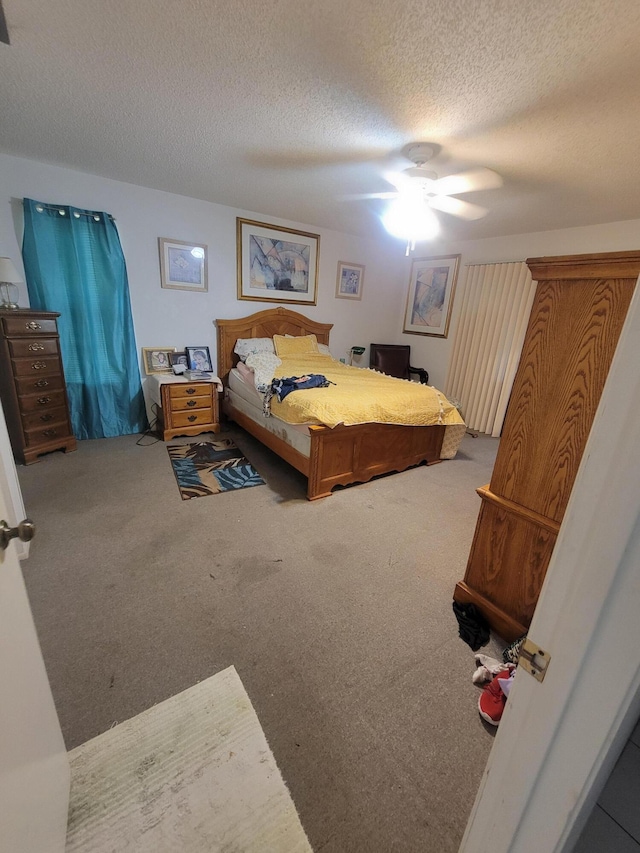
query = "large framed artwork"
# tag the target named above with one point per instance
(432, 284)
(276, 264)
(183, 266)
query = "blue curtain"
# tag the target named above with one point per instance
(74, 265)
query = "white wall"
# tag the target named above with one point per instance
(434, 353)
(177, 318)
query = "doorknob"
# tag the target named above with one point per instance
(25, 532)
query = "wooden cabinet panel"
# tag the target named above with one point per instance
(577, 315)
(32, 384)
(188, 409)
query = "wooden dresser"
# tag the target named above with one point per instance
(185, 408)
(580, 305)
(32, 386)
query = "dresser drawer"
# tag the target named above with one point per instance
(42, 366)
(50, 432)
(200, 390)
(20, 326)
(33, 348)
(44, 418)
(40, 402)
(180, 403)
(39, 384)
(198, 416)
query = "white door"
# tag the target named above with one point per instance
(34, 769)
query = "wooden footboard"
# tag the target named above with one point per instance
(352, 454)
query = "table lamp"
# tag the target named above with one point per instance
(9, 278)
(355, 351)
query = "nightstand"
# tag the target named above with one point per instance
(185, 408)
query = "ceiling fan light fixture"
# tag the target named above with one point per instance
(411, 219)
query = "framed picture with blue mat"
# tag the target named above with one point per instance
(211, 467)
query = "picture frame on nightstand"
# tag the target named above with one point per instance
(157, 359)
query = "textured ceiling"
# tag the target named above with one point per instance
(283, 107)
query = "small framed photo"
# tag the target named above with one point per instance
(199, 358)
(432, 284)
(179, 358)
(183, 266)
(350, 280)
(157, 359)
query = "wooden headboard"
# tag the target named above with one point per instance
(264, 324)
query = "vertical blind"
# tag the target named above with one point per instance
(495, 309)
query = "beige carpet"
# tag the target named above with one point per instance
(192, 774)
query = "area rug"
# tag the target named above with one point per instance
(211, 467)
(193, 774)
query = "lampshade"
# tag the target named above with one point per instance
(8, 272)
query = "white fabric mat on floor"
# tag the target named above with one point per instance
(192, 774)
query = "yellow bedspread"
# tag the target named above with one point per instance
(359, 396)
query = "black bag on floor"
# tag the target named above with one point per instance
(473, 627)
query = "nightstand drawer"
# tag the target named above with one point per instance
(185, 403)
(50, 432)
(198, 416)
(192, 390)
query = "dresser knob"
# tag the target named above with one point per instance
(192, 418)
(191, 390)
(36, 347)
(192, 403)
(42, 383)
(38, 365)
(33, 325)
(49, 432)
(46, 417)
(43, 400)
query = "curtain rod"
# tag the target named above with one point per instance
(77, 213)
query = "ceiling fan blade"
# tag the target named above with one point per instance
(4, 30)
(468, 182)
(457, 207)
(358, 196)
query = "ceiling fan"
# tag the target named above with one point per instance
(419, 191)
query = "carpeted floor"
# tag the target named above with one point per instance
(193, 774)
(336, 614)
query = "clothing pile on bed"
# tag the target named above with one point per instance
(342, 394)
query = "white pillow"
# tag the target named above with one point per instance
(264, 366)
(247, 346)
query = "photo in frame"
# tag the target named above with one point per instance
(349, 281)
(179, 358)
(157, 359)
(276, 264)
(199, 358)
(432, 284)
(183, 266)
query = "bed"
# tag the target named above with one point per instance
(327, 456)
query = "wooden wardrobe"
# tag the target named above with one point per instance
(579, 308)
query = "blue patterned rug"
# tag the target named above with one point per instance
(211, 467)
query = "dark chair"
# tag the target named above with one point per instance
(393, 359)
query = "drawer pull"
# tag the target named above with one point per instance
(42, 383)
(192, 418)
(191, 390)
(46, 417)
(38, 365)
(192, 403)
(36, 347)
(33, 325)
(49, 432)
(43, 400)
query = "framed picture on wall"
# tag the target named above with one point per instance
(183, 266)
(157, 359)
(349, 281)
(276, 264)
(432, 283)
